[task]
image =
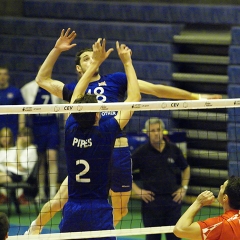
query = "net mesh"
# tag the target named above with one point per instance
(205, 131)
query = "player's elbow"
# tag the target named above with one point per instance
(178, 232)
(39, 80)
(134, 97)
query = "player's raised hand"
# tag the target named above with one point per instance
(99, 51)
(64, 42)
(205, 198)
(124, 53)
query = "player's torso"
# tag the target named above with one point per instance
(8, 96)
(88, 155)
(109, 88)
(43, 97)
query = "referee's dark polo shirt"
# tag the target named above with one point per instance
(159, 171)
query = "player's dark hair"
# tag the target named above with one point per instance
(4, 226)
(87, 119)
(4, 67)
(233, 191)
(77, 57)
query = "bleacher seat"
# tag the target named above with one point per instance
(234, 152)
(121, 11)
(97, 10)
(233, 90)
(234, 74)
(234, 169)
(236, 35)
(141, 32)
(234, 115)
(233, 130)
(199, 13)
(234, 54)
(42, 46)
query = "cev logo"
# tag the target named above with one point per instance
(68, 108)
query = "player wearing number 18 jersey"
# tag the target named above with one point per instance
(88, 143)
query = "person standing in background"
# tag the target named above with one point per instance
(160, 164)
(46, 135)
(10, 95)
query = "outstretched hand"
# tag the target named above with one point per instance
(64, 43)
(205, 198)
(99, 51)
(124, 53)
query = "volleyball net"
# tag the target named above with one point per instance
(207, 132)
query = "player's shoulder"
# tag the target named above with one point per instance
(143, 148)
(71, 86)
(12, 89)
(116, 76)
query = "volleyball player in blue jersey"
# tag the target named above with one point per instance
(46, 136)
(111, 88)
(89, 143)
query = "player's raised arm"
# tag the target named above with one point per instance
(44, 76)
(133, 92)
(50, 209)
(99, 56)
(169, 92)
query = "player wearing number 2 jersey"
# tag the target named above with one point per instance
(89, 143)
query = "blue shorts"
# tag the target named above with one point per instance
(121, 170)
(87, 215)
(46, 136)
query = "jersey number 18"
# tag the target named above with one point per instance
(99, 91)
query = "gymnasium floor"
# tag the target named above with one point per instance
(132, 220)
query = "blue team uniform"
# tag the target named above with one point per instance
(111, 88)
(88, 154)
(45, 126)
(10, 96)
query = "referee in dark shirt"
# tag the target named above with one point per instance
(160, 164)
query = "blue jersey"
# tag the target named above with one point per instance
(43, 97)
(88, 154)
(10, 96)
(109, 88)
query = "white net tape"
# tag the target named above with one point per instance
(136, 106)
(98, 234)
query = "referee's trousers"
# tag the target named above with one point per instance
(163, 211)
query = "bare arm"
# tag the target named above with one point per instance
(169, 92)
(50, 208)
(99, 55)
(133, 92)
(185, 227)
(44, 76)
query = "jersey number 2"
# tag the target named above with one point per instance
(83, 172)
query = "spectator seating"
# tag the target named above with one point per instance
(138, 12)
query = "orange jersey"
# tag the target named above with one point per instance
(224, 227)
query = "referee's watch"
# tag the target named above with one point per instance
(185, 187)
